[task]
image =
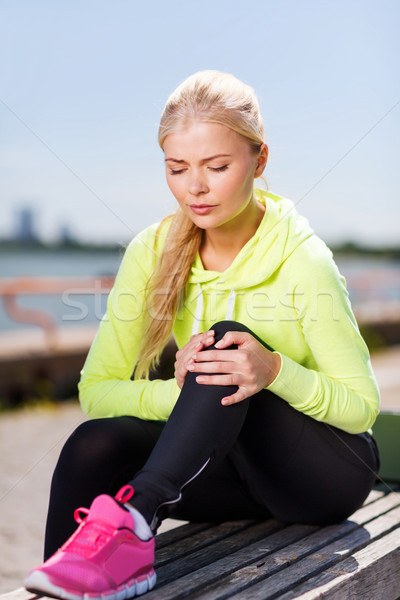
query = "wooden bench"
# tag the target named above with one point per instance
(357, 558)
(251, 560)
(243, 560)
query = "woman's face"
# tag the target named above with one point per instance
(210, 170)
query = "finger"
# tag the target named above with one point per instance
(226, 379)
(195, 343)
(212, 367)
(219, 356)
(238, 396)
(180, 378)
(188, 352)
(209, 341)
(190, 357)
(198, 337)
(233, 337)
(206, 340)
(198, 349)
(179, 381)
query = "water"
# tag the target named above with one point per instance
(71, 308)
(368, 278)
(60, 263)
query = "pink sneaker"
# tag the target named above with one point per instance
(104, 557)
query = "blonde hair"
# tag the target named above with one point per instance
(209, 96)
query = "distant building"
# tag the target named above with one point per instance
(25, 228)
(66, 237)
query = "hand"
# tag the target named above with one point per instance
(251, 366)
(184, 355)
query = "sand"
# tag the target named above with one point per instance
(30, 442)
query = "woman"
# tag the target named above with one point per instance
(273, 395)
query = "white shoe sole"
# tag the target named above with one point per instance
(38, 583)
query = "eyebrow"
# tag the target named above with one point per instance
(204, 160)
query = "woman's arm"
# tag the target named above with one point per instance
(341, 389)
(335, 384)
(106, 388)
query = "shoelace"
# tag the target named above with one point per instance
(124, 494)
(88, 537)
(92, 534)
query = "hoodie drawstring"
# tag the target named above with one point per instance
(231, 306)
(199, 311)
(200, 306)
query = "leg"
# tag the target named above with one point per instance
(195, 440)
(103, 454)
(301, 470)
(288, 462)
(99, 457)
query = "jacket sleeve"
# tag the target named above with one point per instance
(106, 388)
(339, 388)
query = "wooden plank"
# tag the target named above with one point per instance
(258, 584)
(221, 566)
(179, 533)
(220, 570)
(200, 558)
(250, 574)
(376, 493)
(202, 539)
(19, 594)
(371, 573)
(384, 487)
(375, 509)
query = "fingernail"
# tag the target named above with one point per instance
(218, 344)
(190, 367)
(193, 357)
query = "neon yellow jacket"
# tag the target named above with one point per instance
(283, 284)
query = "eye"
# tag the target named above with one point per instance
(176, 171)
(219, 169)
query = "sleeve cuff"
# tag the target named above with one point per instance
(294, 383)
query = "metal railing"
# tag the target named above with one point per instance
(12, 288)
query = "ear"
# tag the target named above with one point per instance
(261, 161)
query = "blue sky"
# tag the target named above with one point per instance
(83, 83)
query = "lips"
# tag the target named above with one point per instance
(201, 209)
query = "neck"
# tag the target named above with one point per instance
(222, 244)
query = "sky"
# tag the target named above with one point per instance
(83, 84)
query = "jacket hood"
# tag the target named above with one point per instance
(280, 232)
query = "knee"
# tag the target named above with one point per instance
(222, 327)
(86, 447)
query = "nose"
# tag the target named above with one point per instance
(197, 183)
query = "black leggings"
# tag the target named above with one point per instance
(256, 459)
